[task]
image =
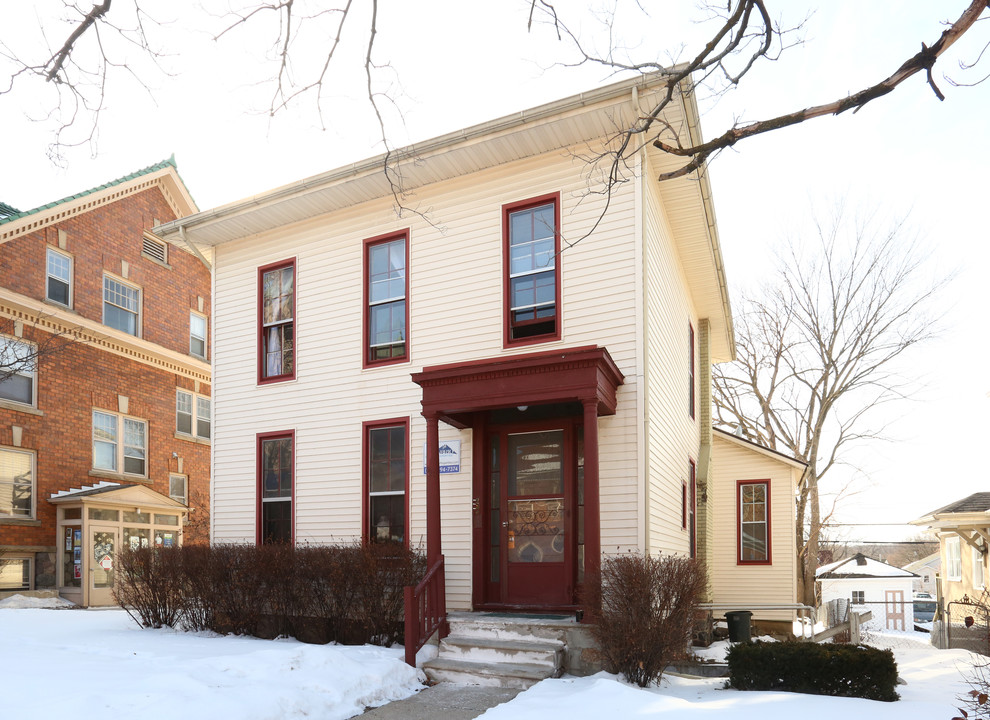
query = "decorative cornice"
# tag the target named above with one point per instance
(78, 329)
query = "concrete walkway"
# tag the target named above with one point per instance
(445, 701)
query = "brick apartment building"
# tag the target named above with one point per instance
(105, 416)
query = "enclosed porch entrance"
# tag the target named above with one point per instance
(535, 512)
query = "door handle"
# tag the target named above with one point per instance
(505, 523)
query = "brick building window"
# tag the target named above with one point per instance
(121, 305)
(197, 335)
(59, 277)
(15, 573)
(178, 488)
(276, 470)
(120, 444)
(192, 414)
(17, 484)
(19, 359)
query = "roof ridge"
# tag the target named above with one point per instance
(170, 161)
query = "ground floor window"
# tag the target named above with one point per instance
(15, 573)
(386, 480)
(858, 597)
(754, 522)
(275, 486)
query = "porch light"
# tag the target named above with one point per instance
(522, 408)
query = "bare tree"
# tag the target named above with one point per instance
(819, 349)
(305, 40)
(21, 353)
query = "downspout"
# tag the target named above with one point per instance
(705, 519)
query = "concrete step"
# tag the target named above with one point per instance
(497, 650)
(506, 675)
(508, 627)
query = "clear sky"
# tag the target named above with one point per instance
(458, 63)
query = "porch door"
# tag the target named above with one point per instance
(102, 561)
(894, 609)
(533, 480)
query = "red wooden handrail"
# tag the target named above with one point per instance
(426, 610)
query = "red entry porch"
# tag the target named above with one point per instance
(535, 471)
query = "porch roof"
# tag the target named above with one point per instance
(566, 375)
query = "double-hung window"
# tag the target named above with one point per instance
(192, 414)
(531, 246)
(275, 487)
(120, 444)
(753, 499)
(953, 558)
(58, 286)
(18, 371)
(197, 335)
(386, 480)
(386, 307)
(977, 560)
(17, 484)
(277, 326)
(121, 305)
(178, 488)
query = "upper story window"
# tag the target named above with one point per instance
(275, 483)
(121, 305)
(197, 335)
(192, 414)
(386, 311)
(387, 479)
(531, 243)
(18, 371)
(691, 369)
(16, 484)
(277, 326)
(120, 444)
(754, 522)
(58, 286)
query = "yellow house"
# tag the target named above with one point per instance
(465, 378)
(963, 529)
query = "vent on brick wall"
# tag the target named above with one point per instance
(155, 249)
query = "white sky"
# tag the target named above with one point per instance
(460, 63)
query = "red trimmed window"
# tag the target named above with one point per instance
(753, 497)
(277, 322)
(275, 486)
(531, 247)
(386, 480)
(691, 508)
(691, 371)
(386, 318)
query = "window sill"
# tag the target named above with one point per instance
(193, 439)
(156, 261)
(25, 522)
(19, 407)
(119, 476)
(60, 306)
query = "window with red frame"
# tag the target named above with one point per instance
(387, 479)
(691, 504)
(691, 364)
(533, 277)
(754, 522)
(277, 322)
(387, 288)
(275, 481)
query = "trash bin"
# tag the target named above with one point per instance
(738, 622)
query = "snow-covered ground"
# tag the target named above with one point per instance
(95, 664)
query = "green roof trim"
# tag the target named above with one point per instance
(6, 210)
(16, 215)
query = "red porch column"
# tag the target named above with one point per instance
(592, 506)
(432, 488)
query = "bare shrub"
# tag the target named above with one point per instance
(643, 609)
(149, 586)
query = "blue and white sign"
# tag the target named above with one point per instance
(450, 456)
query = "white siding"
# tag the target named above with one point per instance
(752, 584)
(455, 296)
(875, 598)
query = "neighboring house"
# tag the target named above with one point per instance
(754, 563)
(963, 530)
(105, 433)
(463, 380)
(868, 584)
(927, 569)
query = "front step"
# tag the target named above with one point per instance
(499, 652)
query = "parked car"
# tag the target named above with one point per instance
(924, 608)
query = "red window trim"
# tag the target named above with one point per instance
(366, 361)
(366, 428)
(262, 380)
(259, 438)
(739, 560)
(692, 372)
(507, 340)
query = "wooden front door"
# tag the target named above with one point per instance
(530, 553)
